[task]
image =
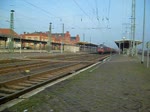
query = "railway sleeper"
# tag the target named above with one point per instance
(30, 78)
(47, 77)
(6, 90)
(30, 82)
(62, 72)
(34, 81)
(37, 80)
(3, 95)
(72, 70)
(16, 87)
(41, 78)
(25, 84)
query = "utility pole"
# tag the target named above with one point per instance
(49, 39)
(20, 44)
(142, 59)
(148, 48)
(62, 42)
(133, 26)
(90, 45)
(83, 42)
(11, 38)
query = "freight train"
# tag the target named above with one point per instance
(102, 49)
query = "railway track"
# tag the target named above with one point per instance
(34, 64)
(26, 64)
(14, 88)
(8, 69)
(8, 61)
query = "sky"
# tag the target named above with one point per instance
(96, 21)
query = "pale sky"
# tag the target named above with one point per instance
(101, 21)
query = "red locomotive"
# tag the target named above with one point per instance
(102, 49)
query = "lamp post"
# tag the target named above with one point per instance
(62, 41)
(147, 57)
(11, 43)
(49, 39)
(20, 44)
(83, 42)
(142, 58)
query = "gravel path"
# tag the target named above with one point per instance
(120, 85)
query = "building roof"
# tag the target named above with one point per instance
(86, 44)
(126, 43)
(7, 32)
(137, 42)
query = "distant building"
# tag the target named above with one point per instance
(56, 39)
(37, 40)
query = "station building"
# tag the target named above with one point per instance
(6, 35)
(36, 40)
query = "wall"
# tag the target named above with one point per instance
(71, 48)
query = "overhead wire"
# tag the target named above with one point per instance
(39, 8)
(81, 8)
(97, 15)
(108, 16)
(43, 10)
(109, 3)
(91, 7)
(76, 3)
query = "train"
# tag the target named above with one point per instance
(102, 49)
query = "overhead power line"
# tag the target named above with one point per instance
(97, 16)
(109, 9)
(81, 8)
(84, 12)
(43, 10)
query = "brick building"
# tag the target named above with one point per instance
(37, 40)
(56, 39)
